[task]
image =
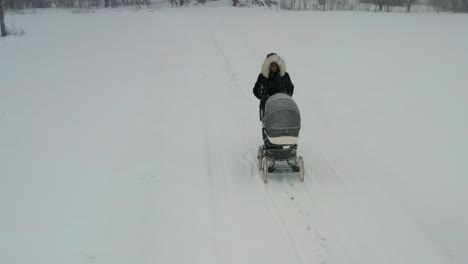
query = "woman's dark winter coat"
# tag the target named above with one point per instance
(266, 87)
(269, 83)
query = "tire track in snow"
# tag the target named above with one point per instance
(232, 77)
(248, 159)
(301, 214)
(218, 199)
(284, 228)
(300, 237)
(328, 178)
(215, 151)
(209, 178)
(326, 234)
(232, 82)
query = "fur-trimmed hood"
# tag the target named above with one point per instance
(278, 60)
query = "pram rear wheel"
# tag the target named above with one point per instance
(260, 157)
(265, 170)
(300, 164)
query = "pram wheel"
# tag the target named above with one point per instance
(300, 164)
(265, 170)
(260, 157)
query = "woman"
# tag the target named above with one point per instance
(273, 79)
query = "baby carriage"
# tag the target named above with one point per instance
(281, 125)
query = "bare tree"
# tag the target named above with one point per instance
(458, 5)
(409, 3)
(323, 3)
(3, 31)
(380, 4)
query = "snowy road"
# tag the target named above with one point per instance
(135, 142)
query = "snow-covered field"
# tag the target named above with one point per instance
(131, 137)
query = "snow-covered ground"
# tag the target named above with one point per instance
(131, 137)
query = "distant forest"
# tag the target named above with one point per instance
(456, 6)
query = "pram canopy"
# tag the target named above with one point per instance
(282, 120)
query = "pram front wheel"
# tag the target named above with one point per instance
(300, 164)
(260, 157)
(265, 170)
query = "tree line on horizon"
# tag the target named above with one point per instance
(458, 6)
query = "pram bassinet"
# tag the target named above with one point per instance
(282, 120)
